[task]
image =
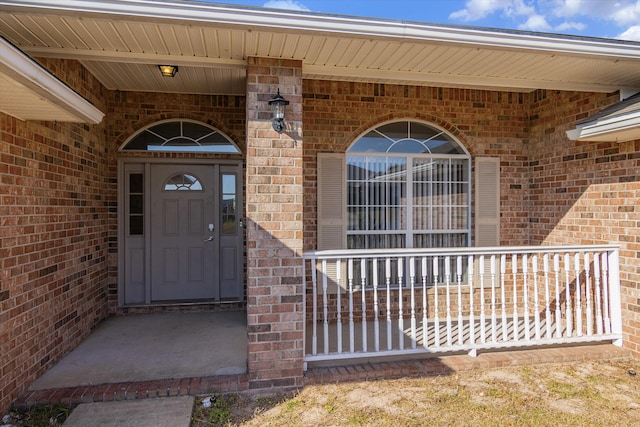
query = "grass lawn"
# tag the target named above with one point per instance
(599, 393)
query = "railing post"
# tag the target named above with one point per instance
(351, 322)
(314, 315)
(339, 304)
(363, 301)
(325, 311)
(614, 295)
(412, 281)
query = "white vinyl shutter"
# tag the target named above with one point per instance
(331, 212)
(331, 201)
(487, 181)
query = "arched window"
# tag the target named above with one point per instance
(407, 186)
(182, 182)
(180, 136)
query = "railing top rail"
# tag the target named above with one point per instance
(499, 250)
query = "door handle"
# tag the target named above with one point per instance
(210, 239)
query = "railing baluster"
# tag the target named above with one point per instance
(325, 311)
(339, 303)
(425, 338)
(351, 325)
(376, 324)
(567, 271)
(587, 292)
(516, 320)
(459, 279)
(412, 280)
(556, 270)
(436, 316)
(472, 323)
(387, 271)
(598, 302)
(525, 296)
(447, 278)
(605, 285)
(400, 312)
(503, 304)
(536, 296)
(576, 264)
(483, 326)
(547, 303)
(363, 285)
(494, 322)
(314, 314)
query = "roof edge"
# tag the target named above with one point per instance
(20, 68)
(337, 24)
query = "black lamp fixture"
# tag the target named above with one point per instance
(277, 104)
(168, 70)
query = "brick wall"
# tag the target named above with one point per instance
(586, 192)
(274, 220)
(54, 236)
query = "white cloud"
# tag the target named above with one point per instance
(570, 8)
(633, 33)
(286, 4)
(478, 9)
(535, 23)
(626, 13)
(570, 25)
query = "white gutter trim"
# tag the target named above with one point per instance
(600, 129)
(22, 69)
(279, 20)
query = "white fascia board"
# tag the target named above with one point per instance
(467, 81)
(20, 68)
(621, 128)
(282, 20)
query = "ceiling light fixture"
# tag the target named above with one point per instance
(168, 70)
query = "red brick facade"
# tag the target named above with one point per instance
(586, 192)
(55, 217)
(274, 227)
(58, 192)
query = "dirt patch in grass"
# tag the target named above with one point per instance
(598, 393)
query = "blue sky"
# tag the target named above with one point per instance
(619, 19)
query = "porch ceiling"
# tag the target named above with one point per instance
(122, 42)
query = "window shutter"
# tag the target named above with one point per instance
(331, 201)
(331, 213)
(487, 179)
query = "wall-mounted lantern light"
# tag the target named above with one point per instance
(168, 70)
(277, 104)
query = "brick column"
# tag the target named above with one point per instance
(274, 227)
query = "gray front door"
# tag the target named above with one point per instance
(196, 239)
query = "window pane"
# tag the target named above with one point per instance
(183, 182)
(135, 183)
(229, 204)
(136, 225)
(382, 196)
(135, 203)
(181, 136)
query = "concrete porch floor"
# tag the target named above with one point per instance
(146, 355)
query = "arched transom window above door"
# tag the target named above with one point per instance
(180, 136)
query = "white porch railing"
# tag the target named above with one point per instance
(365, 303)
